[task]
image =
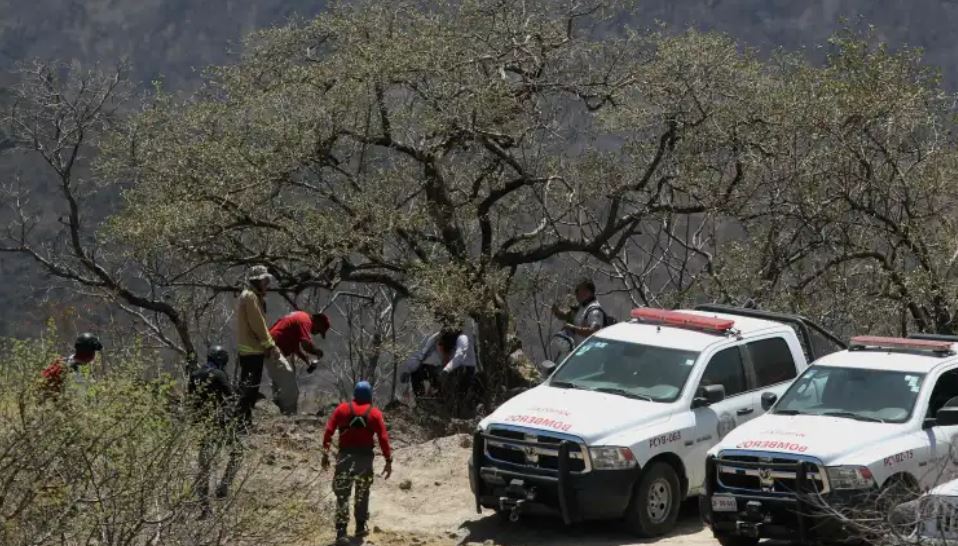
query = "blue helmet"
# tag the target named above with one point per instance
(363, 393)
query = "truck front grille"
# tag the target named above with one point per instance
(938, 518)
(533, 449)
(774, 473)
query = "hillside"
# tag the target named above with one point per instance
(173, 40)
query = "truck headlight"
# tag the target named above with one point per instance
(612, 458)
(850, 477)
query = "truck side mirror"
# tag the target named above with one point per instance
(768, 400)
(708, 395)
(546, 367)
(947, 416)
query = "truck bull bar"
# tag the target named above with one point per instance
(564, 491)
(804, 500)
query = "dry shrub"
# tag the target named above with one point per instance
(112, 461)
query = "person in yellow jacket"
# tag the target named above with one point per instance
(257, 348)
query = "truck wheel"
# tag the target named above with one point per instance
(896, 491)
(736, 540)
(655, 502)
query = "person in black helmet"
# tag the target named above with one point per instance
(85, 349)
(212, 398)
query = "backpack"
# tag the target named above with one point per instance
(358, 421)
(607, 319)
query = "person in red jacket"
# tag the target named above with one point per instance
(293, 335)
(53, 376)
(357, 422)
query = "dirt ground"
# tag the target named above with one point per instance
(427, 502)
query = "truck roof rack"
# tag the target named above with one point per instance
(934, 337)
(803, 326)
(941, 347)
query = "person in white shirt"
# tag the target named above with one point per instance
(423, 367)
(446, 359)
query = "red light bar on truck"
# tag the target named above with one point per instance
(682, 320)
(861, 342)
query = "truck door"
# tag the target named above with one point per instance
(771, 366)
(943, 463)
(711, 423)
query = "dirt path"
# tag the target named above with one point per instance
(427, 502)
(437, 509)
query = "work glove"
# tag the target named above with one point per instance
(325, 461)
(388, 471)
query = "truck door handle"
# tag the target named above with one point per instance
(745, 411)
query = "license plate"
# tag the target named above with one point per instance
(724, 504)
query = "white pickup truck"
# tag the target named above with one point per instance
(932, 518)
(622, 426)
(863, 426)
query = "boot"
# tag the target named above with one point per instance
(361, 530)
(341, 538)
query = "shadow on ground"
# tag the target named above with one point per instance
(532, 531)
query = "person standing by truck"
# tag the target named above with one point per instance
(588, 317)
(357, 422)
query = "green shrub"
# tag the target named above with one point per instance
(112, 461)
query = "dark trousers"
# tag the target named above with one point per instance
(251, 374)
(459, 391)
(421, 375)
(353, 467)
(211, 446)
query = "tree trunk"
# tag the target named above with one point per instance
(497, 376)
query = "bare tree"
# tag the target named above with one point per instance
(58, 115)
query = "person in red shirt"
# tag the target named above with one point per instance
(53, 376)
(357, 422)
(293, 335)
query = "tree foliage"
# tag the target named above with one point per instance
(464, 155)
(449, 146)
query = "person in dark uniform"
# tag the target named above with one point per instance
(212, 398)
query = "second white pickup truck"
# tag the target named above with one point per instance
(877, 421)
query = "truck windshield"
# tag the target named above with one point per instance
(627, 369)
(853, 393)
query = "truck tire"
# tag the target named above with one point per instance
(655, 503)
(897, 490)
(736, 540)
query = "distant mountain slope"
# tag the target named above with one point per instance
(174, 39)
(168, 38)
